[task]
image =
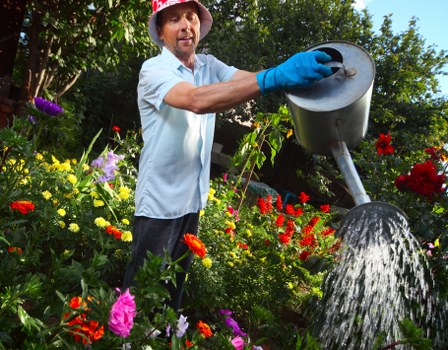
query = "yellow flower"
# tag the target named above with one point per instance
(230, 224)
(72, 179)
(85, 167)
(39, 156)
(207, 263)
(212, 191)
(125, 221)
(61, 224)
(74, 161)
(64, 167)
(93, 194)
(124, 192)
(201, 212)
(289, 133)
(126, 236)
(248, 233)
(61, 212)
(46, 194)
(232, 254)
(100, 222)
(55, 201)
(73, 227)
(98, 203)
(217, 201)
(211, 197)
(228, 214)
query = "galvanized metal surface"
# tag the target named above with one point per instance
(335, 108)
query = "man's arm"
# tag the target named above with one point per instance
(216, 97)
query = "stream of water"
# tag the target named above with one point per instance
(382, 278)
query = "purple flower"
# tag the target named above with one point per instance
(122, 313)
(231, 323)
(108, 166)
(48, 107)
(226, 312)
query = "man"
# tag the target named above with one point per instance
(179, 93)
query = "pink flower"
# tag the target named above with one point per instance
(238, 343)
(122, 313)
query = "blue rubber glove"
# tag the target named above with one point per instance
(300, 70)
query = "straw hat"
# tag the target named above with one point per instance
(159, 5)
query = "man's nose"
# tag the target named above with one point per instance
(184, 23)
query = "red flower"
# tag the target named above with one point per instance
(280, 220)
(289, 209)
(195, 245)
(262, 205)
(23, 206)
(328, 231)
(112, 230)
(188, 343)
(308, 241)
(325, 208)
(304, 255)
(303, 197)
(116, 128)
(284, 238)
(269, 203)
(299, 211)
(279, 203)
(16, 250)
(423, 180)
(383, 146)
(242, 245)
(290, 228)
(204, 329)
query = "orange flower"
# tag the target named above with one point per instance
(204, 329)
(112, 230)
(17, 250)
(23, 206)
(195, 245)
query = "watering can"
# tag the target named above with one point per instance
(331, 116)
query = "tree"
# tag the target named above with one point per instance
(63, 39)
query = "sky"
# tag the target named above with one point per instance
(432, 16)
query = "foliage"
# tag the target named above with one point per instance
(63, 39)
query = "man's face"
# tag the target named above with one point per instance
(180, 29)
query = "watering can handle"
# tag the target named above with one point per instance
(335, 66)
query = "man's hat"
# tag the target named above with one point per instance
(159, 5)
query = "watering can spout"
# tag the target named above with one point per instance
(348, 170)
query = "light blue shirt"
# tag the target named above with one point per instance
(174, 168)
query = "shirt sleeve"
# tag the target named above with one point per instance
(155, 82)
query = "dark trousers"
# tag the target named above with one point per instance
(158, 236)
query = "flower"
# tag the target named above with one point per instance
(98, 203)
(204, 329)
(23, 207)
(238, 343)
(124, 193)
(61, 212)
(303, 197)
(112, 230)
(182, 326)
(262, 205)
(207, 263)
(122, 313)
(100, 222)
(17, 250)
(383, 146)
(48, 107)
(126, 236)
(304, 255)
(195, 245)
(125, 221)
(73, 227)
(422, 180)
(72, 179)
(85, 330)
(46, 194)
(107, 165)
(116, 128)
(231, 323)
(289, 133)
(325, 208)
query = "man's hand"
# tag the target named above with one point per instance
(300, 70)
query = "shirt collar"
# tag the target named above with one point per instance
(172, 60)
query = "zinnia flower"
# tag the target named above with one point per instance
(48, 107)
(204, 329)
(23, 207)
(112, 230)
(122, 313)
(195, 245)
(383, 146)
